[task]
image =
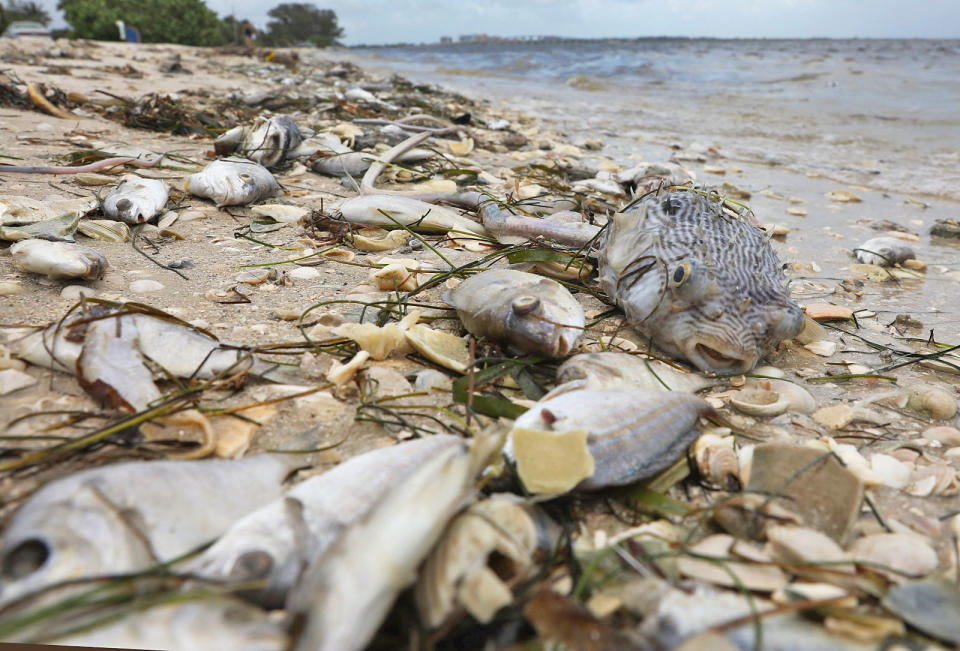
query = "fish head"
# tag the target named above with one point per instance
(77, 536)
(536, 323)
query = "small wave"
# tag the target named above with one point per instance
(462, 72)
(521, 64)
(585, 82)
(807, 76)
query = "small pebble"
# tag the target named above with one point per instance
(145, 286)
(796, 211)
(10, 287)
(303, 273)
(827, 312)
(822, 348)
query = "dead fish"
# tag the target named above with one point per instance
(123, 517)
(264, 545)
(630, 434)
(528, 313)
(884, 251)
(211, 623)
(391, 211)
(267, 141)
(700, 281)
(136, 199)
(123, 344)
(493, 545)
(58, 260)
(333, 158)
(611, 370)
(346, 592)
(59, 229)
(233, 182)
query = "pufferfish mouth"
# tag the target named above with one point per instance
(718, 358)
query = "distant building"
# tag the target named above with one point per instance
(446, 40)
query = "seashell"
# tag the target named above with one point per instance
(948, 436)
(528, 313)
(58, 228)
(798, 398)
(936, 402)
(58, 260)
(811, 331)
(610, 370)
(843, 196)
(461, 148)
(391, 211)
(856, 463)
(380, 341)
(884, 251)
(399, 274)
(933, 480)
(800, 591)
(105, 230)
(862, 628)
(257, 277)
(717, 461)
(93, 179)
(616, 436)
(930, 605)
(280, 212)
(227, 295)
(895, 554)
(811, 483)
(339, 374)
(760, 402)
(828, 312)
(892, 472)
(443, 348)
(763, 578)
(564, 270)
(136, 199)
(377, 239)
(486, 550)
(796, 211)
(339, 255)
(802, 547)
(822, 348)
(16, 210)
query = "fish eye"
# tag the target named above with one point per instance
(244, 176)
(124, 204)
(682, 273)
(26, 558)
(525, 305)
(252, 565)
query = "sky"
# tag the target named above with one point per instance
(416, 21)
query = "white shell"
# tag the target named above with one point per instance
(760, 402)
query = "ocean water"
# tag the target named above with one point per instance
(879, 112)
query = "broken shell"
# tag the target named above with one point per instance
(626, 434)
(379, 341)
(256, 277)
(822, 348)
(895, 554)
(339, 374)
(339, 255)
(843, 196)
(280, 212)
(933, 480)
(399, 274)
(801, 548)
(798, 398)
(948, 436)
(724, 571)
(717, 461)
(105, 230)
(377, 239)
(58, 260)
(227, 295)
(760, 402)
(939, 404)
(828, 312)
(485, 551)
(443, 348)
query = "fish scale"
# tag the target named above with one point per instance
(730, 303)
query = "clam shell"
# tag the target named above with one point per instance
(105, 230)
(630, 434)
(443, 348)
(760, 402)
(58, 260)
(931, 605)
(892, 554)
(764, 578)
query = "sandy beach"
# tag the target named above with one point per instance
(823, 170)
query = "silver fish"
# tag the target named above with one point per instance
(884, 251)
(267, 141)
(58, 260)
(700, 281)
(333, 158)
(632, 434)
(264, 546)
(346, 592)
(619, 370)
(136, 199)
(391, 211)
(528, 313)
(122, 517)
(233, 182)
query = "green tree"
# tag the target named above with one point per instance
(17, 10)
(189, 22)
(298, 22)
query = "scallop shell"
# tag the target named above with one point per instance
(760, 402)
(58, 260)
(443, 348)
(105, 230)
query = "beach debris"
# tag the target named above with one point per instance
(529, 313)
(267, 141)
(760, 402)
(120, 518)
(377, 239)
(930, 605)
(566, 622)
(611, 370)
(938, 403)
(391, 211)
(281, 212)
(271, 543)
(797, 398)
(447, 350)
(809, 482)
(232, 182)
(884, 251)
(340, 374)
(105, 230)
(58, 260)
(486, 550)
(590, 439)
(673, 303)
(136, 199)
(759, 577)
(345, 592)
(946, 228)
(717, 461)
(397, 274)
(895, 555)
(843, 196)
(57, 229)
(379, 341)
(827, 312)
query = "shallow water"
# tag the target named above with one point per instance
(796, 117)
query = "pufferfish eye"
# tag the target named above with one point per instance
(682, 273)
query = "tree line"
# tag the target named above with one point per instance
(189, 22)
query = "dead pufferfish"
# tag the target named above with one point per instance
(699, 280)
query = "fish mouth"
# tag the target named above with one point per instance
(710, 356)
